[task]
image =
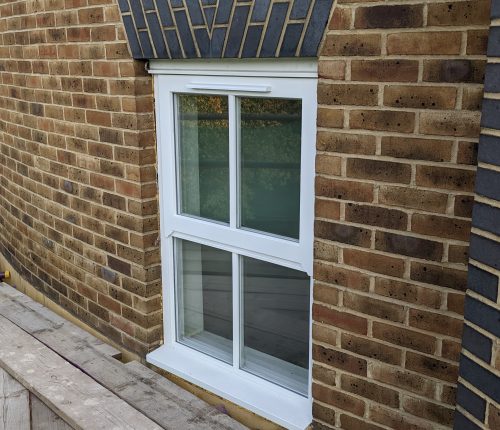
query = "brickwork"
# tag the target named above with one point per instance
(78, 210)
(478, 395)
(399, 96)
(171, 29)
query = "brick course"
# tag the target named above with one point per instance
(78, 211)
(405, 82)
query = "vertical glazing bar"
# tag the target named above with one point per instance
(236, 311)
(233, 165)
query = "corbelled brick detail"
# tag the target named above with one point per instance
(478, 394)
(399, 95)
(172, 29)
(78, 210)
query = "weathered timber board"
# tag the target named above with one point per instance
(71, 394)
(14, 404)
(161, 400)
(42, 418)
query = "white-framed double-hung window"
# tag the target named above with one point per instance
(236, 168)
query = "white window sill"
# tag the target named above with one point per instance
(264, 398)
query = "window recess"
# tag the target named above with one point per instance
(236, 169)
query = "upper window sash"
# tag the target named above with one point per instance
(290, 253)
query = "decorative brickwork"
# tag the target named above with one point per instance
(224, 28)
(77, 165)
(399, 95)
(478, 395)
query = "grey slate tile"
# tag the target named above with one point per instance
(486, 183)
(148, 5)
(477, 343)
(235, 36)
(491, 114)
(185, 33)
(300, 9)
(316, 28)
(252, 40)
(203, 41)
(471, 402)
(291, 40)
(195, 13)
(177, 3)
(495, 9)
(260, 10)
(486, 217)
(480, 377)
(147, 49)
(223, 12)
(274, 28)
(157, 35)
(209, 13)
(461, 422)
(164, 12)
(132, 37)
(486, 251)
(123, 5)
(140, 22)
(492, 78)
(173, 44)
(217, 45)
(482, 282)
(489, 149)
(494, 42)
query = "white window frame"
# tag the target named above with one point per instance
(295, 79)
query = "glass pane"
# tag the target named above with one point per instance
(204, 156)
(204, 299)
(270, 165)
(276, 323)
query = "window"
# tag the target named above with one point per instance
(236, 166)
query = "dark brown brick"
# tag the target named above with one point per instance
(371, 349)
(346, 143)
(347, 94)
(343, 233)
(419, 97)
(344, 190)
(404, 337)
(408, 245)
(382, 120)
(446, 178)
(340, 319)
(370, 390)
(384, 70)
(377, 308)
(338, 399)
(439, 275)
(377, 263)
(340, 360)
(408, 292)
(417, 148)
(390, 16)
(454, 71)
(378, 170)
(376, 216)
(434, 225)
(352, 45)
(432, 367)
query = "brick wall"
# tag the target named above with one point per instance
(77, 165)
(398, 123)
(478, 394)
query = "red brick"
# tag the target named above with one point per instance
(377, 263)
(340, 319)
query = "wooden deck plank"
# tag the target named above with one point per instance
(42, 418)
(14, 404)
(74, 396)
(161, 400)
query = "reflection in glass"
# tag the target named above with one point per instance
(204, 298)
(270, 165)
(203, 133)
(276, 323)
